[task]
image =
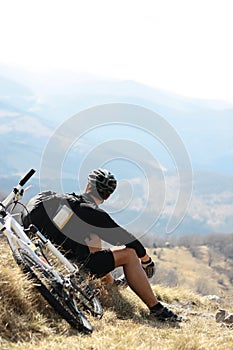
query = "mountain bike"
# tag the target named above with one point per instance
(58, 280)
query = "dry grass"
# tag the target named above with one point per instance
(191, 272)
(28, 323)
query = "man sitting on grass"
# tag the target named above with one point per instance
(80, 235)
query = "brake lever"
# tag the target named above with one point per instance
(27, 188)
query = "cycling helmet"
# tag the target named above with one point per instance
(102, 182)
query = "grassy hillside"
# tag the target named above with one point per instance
(178, 266)
(27, 322)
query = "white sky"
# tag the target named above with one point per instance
(183, 46)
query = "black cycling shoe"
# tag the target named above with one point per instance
(164, 315)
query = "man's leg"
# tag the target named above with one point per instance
(136, 279)
(135, 275)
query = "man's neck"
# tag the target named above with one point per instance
(96, 200)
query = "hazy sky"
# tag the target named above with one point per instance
(181, 46)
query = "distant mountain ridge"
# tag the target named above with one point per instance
(29, 115)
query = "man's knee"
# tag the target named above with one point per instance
(125, 256)
(131, 254)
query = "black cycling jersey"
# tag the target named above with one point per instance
(88, 218)
(105, 227)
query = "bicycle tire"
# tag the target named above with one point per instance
(50, 293)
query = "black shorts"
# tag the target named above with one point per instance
(99, 263)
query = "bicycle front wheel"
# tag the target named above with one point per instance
(54, 293)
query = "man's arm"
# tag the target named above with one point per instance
(99, 222)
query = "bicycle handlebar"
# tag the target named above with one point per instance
(16, 190)
(27, 177)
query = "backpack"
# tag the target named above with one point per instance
(51, 212)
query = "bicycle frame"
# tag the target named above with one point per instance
(17, 237)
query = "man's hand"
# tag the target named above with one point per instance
(149, 267)
(93, 242)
